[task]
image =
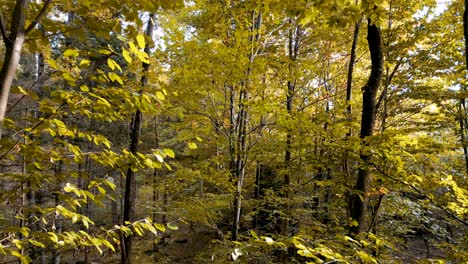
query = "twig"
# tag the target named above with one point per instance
(38, 17)
(421, 193)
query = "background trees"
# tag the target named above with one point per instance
(228, 131)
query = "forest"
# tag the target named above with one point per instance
(233, 131)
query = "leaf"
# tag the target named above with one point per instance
(192, 145)
(169, 152)
(114, 77)
(110, 63)
(127, 56)
(84, 88)
(84, 62)
(366, 258)
(172, 226)
(160, 96)
(253, 234)
(160, 227)
(71, 53)
(159, 158)
(133, 48)
(53, 237)
(141, 41)
(105, 52)
(68, 187)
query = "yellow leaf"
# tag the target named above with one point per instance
(71, 53)
(104, 51)
(160, 227)
(192, 145)
(160, 95)
(133, 48)
(141, 41)
(126, 56)
(169, 152)
(84, 62)
(110, 63)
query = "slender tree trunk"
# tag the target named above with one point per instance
(349, 94)
(242, 122)
(358, 205)
(13, 44)
(463, 113)
(130, 182)
(352, 62)
(240, 163)
(295, 36)
(58, 219)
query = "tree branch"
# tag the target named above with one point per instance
(38, 17)
(441, 207)
(5, 37)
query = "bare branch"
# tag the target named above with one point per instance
(38, 17)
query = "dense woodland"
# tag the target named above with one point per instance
(243, 131)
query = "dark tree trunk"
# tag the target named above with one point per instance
(294, 39)
(352, 61)
(463, 113)
(130, 182)
(358, 204)
(349, 93)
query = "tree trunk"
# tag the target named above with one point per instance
(463, 113)
(352, 61)
(13, 44)
(294, 39)
(358, 205)
(130, 182)
(241, 137)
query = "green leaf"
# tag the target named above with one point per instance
(172, 226)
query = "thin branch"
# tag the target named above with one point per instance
(38, 17)
(56, 33)
(454, 216)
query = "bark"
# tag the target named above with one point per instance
(130, 181)
(13, 46)
(58, 219)
(295, 36)
(352, 61)
(238, 172)
(463, 114)
(349, 91)
(358, 204)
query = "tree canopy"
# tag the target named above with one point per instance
(233, 131)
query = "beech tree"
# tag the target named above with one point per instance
(226, 131)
